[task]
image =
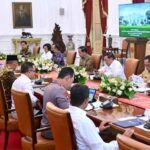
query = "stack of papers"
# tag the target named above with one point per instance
(142, 89)
(137, 79)
(94, 105)
(97, 105)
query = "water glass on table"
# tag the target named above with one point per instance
(147, 113)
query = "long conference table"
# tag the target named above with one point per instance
(124, 110)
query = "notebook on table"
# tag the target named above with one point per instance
(129, 122)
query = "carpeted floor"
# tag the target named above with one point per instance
(14, 142)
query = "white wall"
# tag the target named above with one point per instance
(113, 16)
(45, 14)
(113, 20)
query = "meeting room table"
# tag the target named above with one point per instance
(125, 109)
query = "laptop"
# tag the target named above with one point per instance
(92, 93)
(93, 103)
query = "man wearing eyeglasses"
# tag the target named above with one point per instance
(23, 83)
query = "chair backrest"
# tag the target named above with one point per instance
(70, 58)
(130, 67)
(126, 143)
(125, 44)
(25, 115)
(96, 60)
(36, 50)
(62, 128)
(125, 49)
(7, 78)
(3, 104)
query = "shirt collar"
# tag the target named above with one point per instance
(55, 82)
(85, 57)
(76, 110)
(112, 64)
(26, 77)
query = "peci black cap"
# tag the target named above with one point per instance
(11, 58)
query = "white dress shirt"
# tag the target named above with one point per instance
(47, 55)
(87, 135)
(115, 69)
(23, 83)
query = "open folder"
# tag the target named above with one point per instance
(129, 122)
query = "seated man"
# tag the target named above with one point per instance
(87, 134)
(146, 73)
(112, 67)
(23, 83)
(56, 93)
(57, 57)
(11, 64)
(85, 59)
(25, 52)
(8, 77)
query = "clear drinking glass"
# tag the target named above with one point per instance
(143, 85)
(147, 113)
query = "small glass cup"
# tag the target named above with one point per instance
(147, 113)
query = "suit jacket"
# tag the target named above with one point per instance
(57, 95)
(87, 62)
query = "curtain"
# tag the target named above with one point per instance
(96, 35)
(87, 8)
(138, 1)
(103, 16)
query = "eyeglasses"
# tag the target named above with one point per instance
(32, 70)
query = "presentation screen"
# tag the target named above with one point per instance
(134, 20)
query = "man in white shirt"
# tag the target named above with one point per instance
(112, 67)
(47, 55)
(23, 83)
(87, 134)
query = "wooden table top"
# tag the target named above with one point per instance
(124, 110)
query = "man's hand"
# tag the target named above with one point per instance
(128, 132)
(104, 125)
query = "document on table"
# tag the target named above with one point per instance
(97, 105)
